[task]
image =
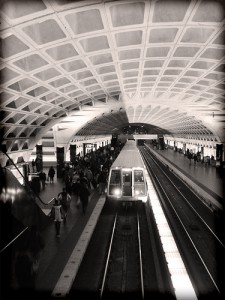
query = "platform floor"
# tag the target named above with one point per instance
(206, 176)
(58, 249)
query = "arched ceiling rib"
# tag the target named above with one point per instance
(156, 62)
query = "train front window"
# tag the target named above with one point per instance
(115, 177)
(115, 183)
(138, 176)
(139, 184)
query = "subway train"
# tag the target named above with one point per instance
(127, 180)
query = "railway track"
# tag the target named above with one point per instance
(124, 258)
(124, 270)
(196, 229)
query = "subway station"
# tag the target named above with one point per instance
(112, 149)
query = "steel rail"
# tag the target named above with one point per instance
(140, 258)
(108, 256)
(182, 180)
(189, 204)
(183, 226)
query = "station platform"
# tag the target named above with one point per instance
(208, 178)
(57, 250)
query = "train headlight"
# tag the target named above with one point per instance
(117, 192)
(137, 192)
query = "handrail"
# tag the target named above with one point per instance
(21, 232)
(26, 182)
(50, 201)
(13, 240)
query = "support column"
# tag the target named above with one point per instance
(25, 172)
(59, 160)
(84, 149)
(39, 158)
(73, 151)
(219, 154)
(161, 142)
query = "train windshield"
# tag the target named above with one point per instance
(115, 183)
(138, 176)
(139, 184)
(115, 177)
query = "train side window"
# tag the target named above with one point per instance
(138, 176)
(115, 177)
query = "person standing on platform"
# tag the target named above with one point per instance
(75, 177)
(76, 191)
(102, 181)
(68, 183)
(65, 199)
(33, 165)
(56, 214)
(51, 174)
(190, 157)
(42, 177)
(84, 194)
(195, 159)
(89, 176)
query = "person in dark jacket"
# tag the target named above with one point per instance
(195, 159)
(33, 165)
(102, 181)
(42, 177)
(51, 174)
(76, 191)
(84, 194)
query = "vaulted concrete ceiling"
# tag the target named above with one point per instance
(94, 66)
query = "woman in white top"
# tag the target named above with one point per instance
(56, 214)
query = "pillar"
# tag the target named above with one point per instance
(219, 153)
(161, 142)
(73, 150)
(39, 158)
(84, 149)
(60, 161)
(26, 172)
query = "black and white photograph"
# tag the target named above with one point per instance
(112, 149)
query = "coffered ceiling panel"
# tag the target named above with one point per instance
(98, 65)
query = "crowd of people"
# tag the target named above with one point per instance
(196, 157)
(80, 177)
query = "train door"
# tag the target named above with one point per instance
(127, 183)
